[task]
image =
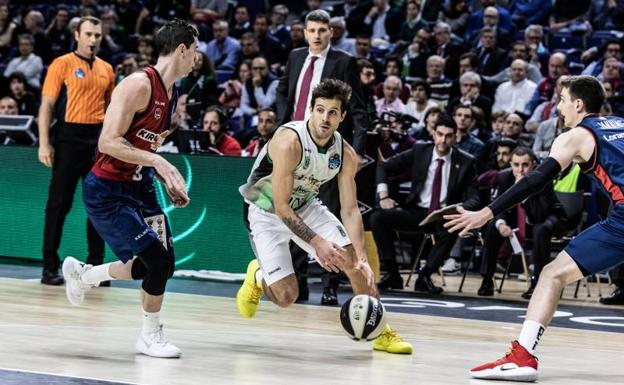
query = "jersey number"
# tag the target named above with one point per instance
(137, 176)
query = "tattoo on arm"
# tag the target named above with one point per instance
(126, 143)
(297, 226)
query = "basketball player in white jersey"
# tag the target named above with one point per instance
(281, 201)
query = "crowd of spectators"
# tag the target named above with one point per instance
(494, 66)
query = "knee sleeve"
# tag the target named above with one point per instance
(157, 263)
(138, 269)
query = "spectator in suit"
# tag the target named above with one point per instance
(267, 123)
(412, 23)
(304, 70)
(466, 141)
(383, 21)
(58, 32)
(470, 86)
(416, 55)
(540, 215)
(278, 28)
(448, 48)
(223, 50)
(538, 53)
(475, 20)
(242, 23)
(215, 122)
(339, 39)
(269, 46)
(440, 84)
(513, 95)
(441, 175)
(363, 47)
(469, 62)
(297, 36)
(249, 47)
(491, 58)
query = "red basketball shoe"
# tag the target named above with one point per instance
(517, 365)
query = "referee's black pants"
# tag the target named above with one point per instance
(72, 161)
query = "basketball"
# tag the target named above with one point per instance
(363, 317)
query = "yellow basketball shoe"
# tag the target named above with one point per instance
(249, 294)
(389, 341)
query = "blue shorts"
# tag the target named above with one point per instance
(118, 210)
(601, 246)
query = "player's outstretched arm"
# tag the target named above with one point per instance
(131, 96)
(285, 151)
(576, 145)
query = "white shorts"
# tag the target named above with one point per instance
(270, 237)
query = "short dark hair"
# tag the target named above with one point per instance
(333, 89)
(319, 16)
(172, 34)
(420, 82)
(395, 59)
(588, 89)
(269, 110)
(447, 121)
(91, 19)
(262, 16)
(506, 142)
(474, 59)
(465, 107)
(364, 63)
(522, 151)
(19, 76)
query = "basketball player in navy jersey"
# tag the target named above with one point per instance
(119, 193)
(597, 144)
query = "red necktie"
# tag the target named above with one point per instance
(521, 214)
(304, 91)
(437, 187)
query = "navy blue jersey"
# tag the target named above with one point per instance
(607, 162)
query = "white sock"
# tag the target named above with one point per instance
(96, 274)
(530, 335)
(151, 321)
(259, 278)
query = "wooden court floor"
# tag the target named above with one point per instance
(303, 344)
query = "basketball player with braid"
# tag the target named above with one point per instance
(281, 204)
(119, 191)
(597, 144)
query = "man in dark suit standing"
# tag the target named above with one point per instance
(305, 68)
(540, 215)
(441, 175)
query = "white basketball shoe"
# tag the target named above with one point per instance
(75, 289)
(155, 344)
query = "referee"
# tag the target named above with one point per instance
(77, 88)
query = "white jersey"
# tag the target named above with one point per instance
(316, 166)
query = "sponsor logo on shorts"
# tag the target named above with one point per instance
(341, 231)
(141, 235)
(275, 270)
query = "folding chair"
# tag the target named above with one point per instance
(416, 261)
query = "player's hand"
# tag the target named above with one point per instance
(175, 185)
(466, 220)
(331, 256)
(370, 277)
(505, 231)
(46, 154)
(178, 201)
(388, 203)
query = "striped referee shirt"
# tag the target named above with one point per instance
(88, 85)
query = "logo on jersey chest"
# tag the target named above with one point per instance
(158, 110)
(79, 73)
(155, 139)
(334, 162)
